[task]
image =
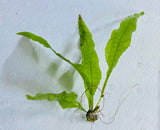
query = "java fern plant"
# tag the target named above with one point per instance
(89, 68)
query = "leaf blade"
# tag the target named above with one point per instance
(90, 61)
(42, 41)
(66, 100)
(88, 69)
(120, 40)
(35, 38)
(119, 45)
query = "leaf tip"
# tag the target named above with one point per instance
(29, 97)
(18, 33)
(142, 13)
(80, 17)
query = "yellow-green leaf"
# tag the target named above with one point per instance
(90, 61)
(66, 100)
(120, 40)
(89, 68)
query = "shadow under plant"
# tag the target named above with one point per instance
(32, 70)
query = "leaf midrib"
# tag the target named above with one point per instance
(119, 44)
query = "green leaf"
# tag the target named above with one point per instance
(35, 38)
(89, 68)
(66, 100)
(90, 62)
(120, 40)
(43, 42)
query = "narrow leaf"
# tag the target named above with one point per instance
(120, 40)
(42, 41)
(90, 61)
(66, 100)
(89, 68)
(35, 38)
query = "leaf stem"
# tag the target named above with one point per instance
(104, 86)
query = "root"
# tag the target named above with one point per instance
(114, 115)
(94, 115)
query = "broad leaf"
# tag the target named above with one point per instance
(90, 61)
(66, 100)
(120, 40)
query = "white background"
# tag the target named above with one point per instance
(29, 68)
